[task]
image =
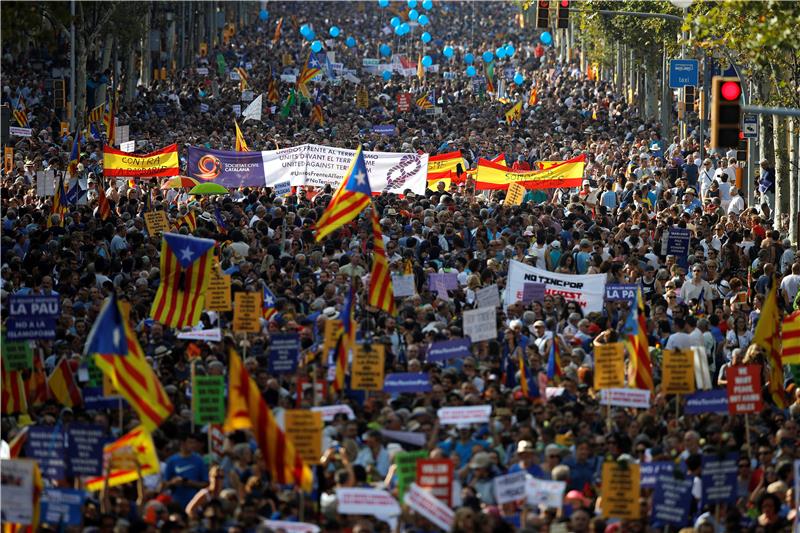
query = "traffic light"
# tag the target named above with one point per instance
(563, 14)
(688, 98)
(742, 148)
(543, 14)
(726, 112)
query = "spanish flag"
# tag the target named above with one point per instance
(241, 145)
(247, 410)
(123, 455)
(381, 291)
(63, 386)
(162, 163)
(768, 337)
(492, 176)
(352, 196)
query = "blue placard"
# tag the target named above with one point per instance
(385, 129)
(46, 445)
(707, 401)
(672, 499)
(678, 245)
(283, 188)
(32, 317)
(93, 399)
(621, 291)
(407, 382)
(62, 506)
(719, 478)
(20, 329)
(648, 472)
(284, 349)
(86, 443)
(683, 72)
(453, 349)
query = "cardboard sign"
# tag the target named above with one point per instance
(678, 372)
(406, 470)
(17, 489)
(620, 491)
(547, 493)
(368, 366)
(672, 499)
(304, 428)
(371, 502)
(218, 294)
(63, 506)
(208, 399)
(16, 355)
(284, 350)
(638, 398)
(428, 506)
(86, 443)
(468, 414)
(445, 350)
(8, 159)
(514, 195)
(46, 444)
(744, 389)
(510, 487)
(436, 475)
(156, 222)
(488, 296)
(609, 366)
(480, 324)
(247, 312)
(533, 292)
(403, 285)
(719, 478)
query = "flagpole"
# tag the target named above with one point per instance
(193, 375)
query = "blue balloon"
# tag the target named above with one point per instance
(427, 4)
(263, 14)
(413, 14)
(304, 29)
(412, 4)
(405, 28)
(488, 56)
(546, 38)
(310, 35)
(469, 58)
(350, 42)
(398, 30)
(470, 71)
(425, 37)
(423, 20)
(519, 78)
(387, 75)
(448, 51)
(334, 31)
(383, 3)
(316, 46)
(500, 53)
(395, 22)
(427, 61)
(510, 50)
(385, 50)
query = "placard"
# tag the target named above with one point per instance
(45, 183)
(156, 222)
(20, 132)
(403, 102)
(533, 292)
(8, 159)
(128, 147)
(677, 370)
(247, 312)
(208, 399)
(330, 334)
(407, 382)
(86, 443)
(510, 487)
(304, 429)
(480, 324)
(609, 366)
(329, 412)
(283, 188)
(616, 292)
(650, 472)
(514, 194)
(467, 414)
(284, 350)
(368, 366)
(445, 350)
(63, 506)
(449, 280)
(371, 502)
(638, 398)
(17, 490)
(620, 491)
(488, 296)
(16, 355)
(237, 110)
(429, 507)
(218, 294)
(711, 401)
(205, 335)
(46, 444)
(550, 494)
(589, 290)
(403, 285)
(678, 240)
(744, 389)
(672, 499)
(32, 317)
(406, 470)
(63, 128)
(719, 477)
(436, 476)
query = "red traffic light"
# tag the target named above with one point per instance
(731, 90)
(564, 3)
(544, 4)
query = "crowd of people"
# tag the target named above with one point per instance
(637, 185)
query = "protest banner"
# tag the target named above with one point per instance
(156, 222)
(533, 292)
(407, 382)
(638, 398)
(650, 471)
(677, 244)
(719, 478)
(159, 164)
(371, 502)
(510, 487)
(671, 499)
(494, 176)
(588, 290)
(205, 335)
(467, 414)
(744, 389)
(368, 367)
(480, 324)
(488, 296)
(16, 355)
(85, 446)
(677, 370)
(712, 401)
(445, 350)
(620, 490)
(550, 494)
(284, 350)
(436, 476)
(433, 510)
(32, 317)
(208, 399)
(403, 285)
(304, 429)
(46, 445)
(406, 470)
(16, 487)
(227, 168)
(63, 506)
(621, 292)
(247, 312)
(609, 366)
(291, 527)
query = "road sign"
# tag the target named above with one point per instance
(683, 72)
(750, 126)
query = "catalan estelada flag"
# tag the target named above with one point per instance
(185, 269)
(381, 292)
(352, 196)
(493, 176)
(74, 155)
(97, 114)
(123, 454)
(119, 355)
(527, 382)
(14, 399)
(21, 113)
(311, 70)
(554, 368)
(268, 304)
(63, 386)
(244, 77)
(768, 337)
(110, 124)
(424, 101)
(219, 222)
(790, 336)
(60, 206)
(346, 340)
(640, 369)
(241, 145)
(103, 207)
(317, 116)
(272, 92)
(190, 219)
(36, 384)
(247, 410)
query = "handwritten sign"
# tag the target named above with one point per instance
(678, 372)
(368, 366)
(488, 296)
(156, 222)
(304, 428)
(247, 312)
(620, 491)
(744, 389)
(480, 324)
(208, 399)
(609, 366)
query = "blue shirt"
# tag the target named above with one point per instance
(534, 470)
(191, 468)
(462, 449)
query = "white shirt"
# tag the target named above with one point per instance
(790, 284)
(679, 341)
(737, 204)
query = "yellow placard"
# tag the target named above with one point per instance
(8, 159)
(203, 49)
(677, 370)
(362, 98)
(304, 428)
(287, 60)
(620, 491)
(331, 333)
(367, 369)
(247, 312)
(514, 194)
(609, 366)
(64, 129)
(156, 222)
(218, 294)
